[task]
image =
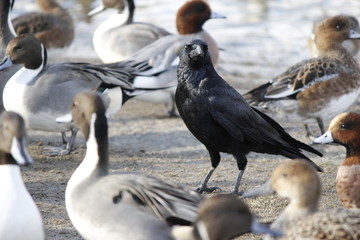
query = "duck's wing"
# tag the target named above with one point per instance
(158, 56)
(172, 203)
(297, 78)
(95, 75)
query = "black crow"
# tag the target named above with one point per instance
(219, 117)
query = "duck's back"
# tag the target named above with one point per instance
(337, 224)
(117, 215)
(118, 43)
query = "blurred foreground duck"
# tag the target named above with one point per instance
(317, 88)
(344, 129)
(42, 92)
(126, 205)
(222, 217)
(162, 55)
(117, 38)
(299, 182)
(53, 26)
(219, 117)
(7, 33)
(20, 218)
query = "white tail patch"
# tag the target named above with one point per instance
(113, 100)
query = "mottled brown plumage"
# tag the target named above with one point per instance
(53, 26)
(335, 224)
(299, 182)
(317, 88)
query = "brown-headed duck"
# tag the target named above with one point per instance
(317, 88)
(299, 182)
(344, 129)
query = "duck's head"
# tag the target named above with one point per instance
(344, 129)
(13, 139)
(24, 49)
(192, 15)
(333, 31)
(225, 216)
(85, 106)
(296, 180)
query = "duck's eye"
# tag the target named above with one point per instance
(19, 47)
(339, 27)
(284, 175)
(241, 211)
(347, 125)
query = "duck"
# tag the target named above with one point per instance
(7, 33)
(20, 217)
(317, 88)
(352, 45)
(42, 92)
(162, 55)
(299, 182)
(53, 26)
(344, 129)
(222, 217)
(117, 39)
(124, 205)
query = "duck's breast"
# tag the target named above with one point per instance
(348, 185)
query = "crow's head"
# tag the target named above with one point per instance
(195, 54)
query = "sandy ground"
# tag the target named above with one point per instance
(142, 139)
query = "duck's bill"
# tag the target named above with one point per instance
(354, 34)
(19, 151)
(325, 138)
(67, 118)
(6, 62)
(96, 10)
(260, 228)
(217, 15)
(264, 189)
